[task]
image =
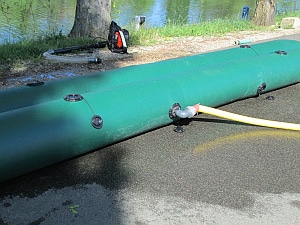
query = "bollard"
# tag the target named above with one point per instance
(139, 21)
(245, 12)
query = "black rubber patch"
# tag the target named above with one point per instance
(279, 52)
(35, 84)
(245, 46)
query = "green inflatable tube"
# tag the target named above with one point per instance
(15, 98)
(43, 134)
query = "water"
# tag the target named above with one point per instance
(160, 12)
(37, 18)
(31, 18)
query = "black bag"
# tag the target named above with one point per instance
(117, 38)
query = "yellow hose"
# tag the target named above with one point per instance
(246, 119)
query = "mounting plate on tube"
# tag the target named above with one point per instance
(73, 98)
(174, 107)
(97, 122)
(261, 89)
(279, 52)
(245, 46)
(35, 84)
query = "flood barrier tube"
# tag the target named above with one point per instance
(14, 98)
(40, 135)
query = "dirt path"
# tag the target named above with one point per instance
(165, 49)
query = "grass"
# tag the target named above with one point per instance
(11, 53)
(33, 49)
(211, 28)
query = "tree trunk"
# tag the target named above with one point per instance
(92, 19)
(264, 13)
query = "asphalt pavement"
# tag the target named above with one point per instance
(215, 172)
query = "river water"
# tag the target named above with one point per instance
(37, 18)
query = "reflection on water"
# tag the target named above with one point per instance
(36, 18)
(30, 18)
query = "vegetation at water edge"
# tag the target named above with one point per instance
(11, 53)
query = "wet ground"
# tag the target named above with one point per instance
(216, 172)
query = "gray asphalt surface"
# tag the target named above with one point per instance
(216, 172)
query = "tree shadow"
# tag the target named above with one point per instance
(103, 167)
(91, 177)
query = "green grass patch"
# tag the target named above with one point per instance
(33, 49)
(218, 27)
